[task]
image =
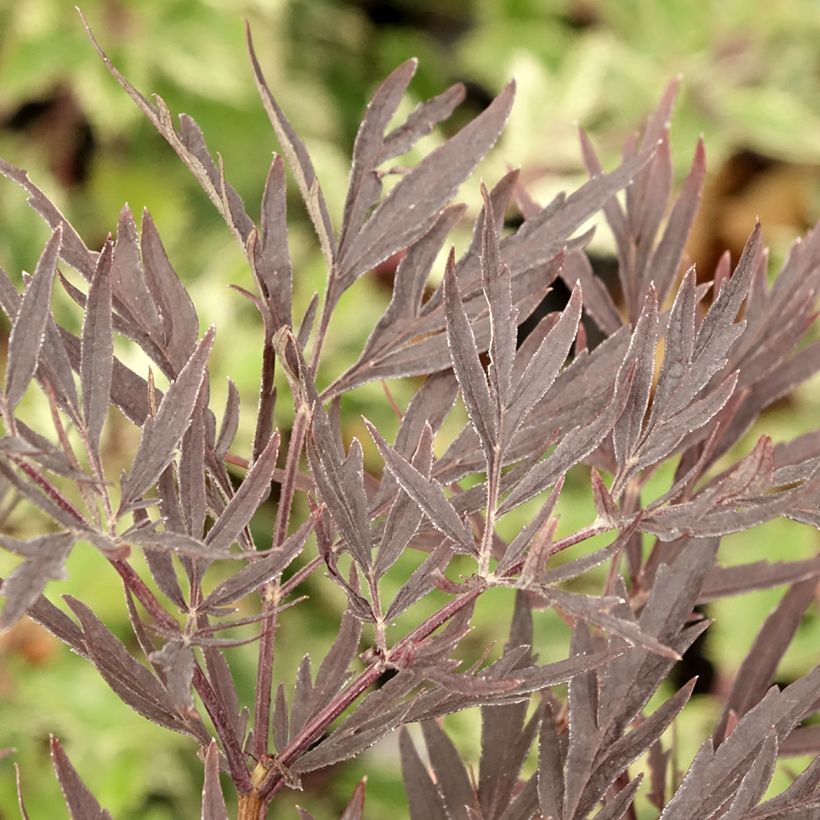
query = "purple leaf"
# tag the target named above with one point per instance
(451, 775)
(161, 434)
(298, 159)
(669, 250)
(192, 494)
(244, 504)
(617, 807)
(550, 767)
(758, 669)
(259, 571)
(131, 295)
(213, 803)
(131, 681)
(29, 328)
(428, 188)
(354, 810)
(642, 352)
(176, 662)
(722, 582)
(365, 185)
(426, 492)
(268, 251)
(466, 363)
(424, 800)
(97, 351)
(82, 805)
(190, 147)
(177, 313)
(44, 560)
(72, 248)
(503, 325)
(544, 365)
(421, 121)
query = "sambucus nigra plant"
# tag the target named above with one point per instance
(537, 410)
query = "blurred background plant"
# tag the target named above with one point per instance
(751, 85)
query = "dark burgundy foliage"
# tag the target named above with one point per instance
(681, 373)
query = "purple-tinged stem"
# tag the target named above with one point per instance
(271, 592)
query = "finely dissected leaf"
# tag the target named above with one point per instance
(641, 351)
(133, 300)
(421, 121)
(466, 364)
(298, 159)
(427, 493)
(161, 434)
(405, 515)
(760, 664)
(97, 350)
(364, 187)
(355, 808)
(176, 310)
(44, 560)
(755, 781)
(58, 624)
(268, 252)
(192, 489)
(19, 783)
(258, 572)
(422, 581)
(244, 504)
(189, 145)
(213, 803)
(72, 248)
(616, 757)
(451, 775)
(176, 661)
(505, 741)
(341, 485)
(669, 250)
(723, 769)
(334, 669)
(424, 800)
(618, 806)
(131, 681)
(597, 299)
(498, 292)
(82, 805)
(584, 733)
(571, 449)
(802, 796)
(427, 188)
(230, 422)
(29, 328)
(550, 767)
(544, 365)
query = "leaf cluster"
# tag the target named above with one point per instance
(536, 408)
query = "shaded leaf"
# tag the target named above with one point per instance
(97, 350)
(426, 492)
(466, 364)
(161, 434)
(259, 571)
(244, 504)
(29, 327)
(424, 800)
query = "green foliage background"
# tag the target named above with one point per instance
(751, 86)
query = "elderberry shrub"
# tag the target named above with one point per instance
(682, 370)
